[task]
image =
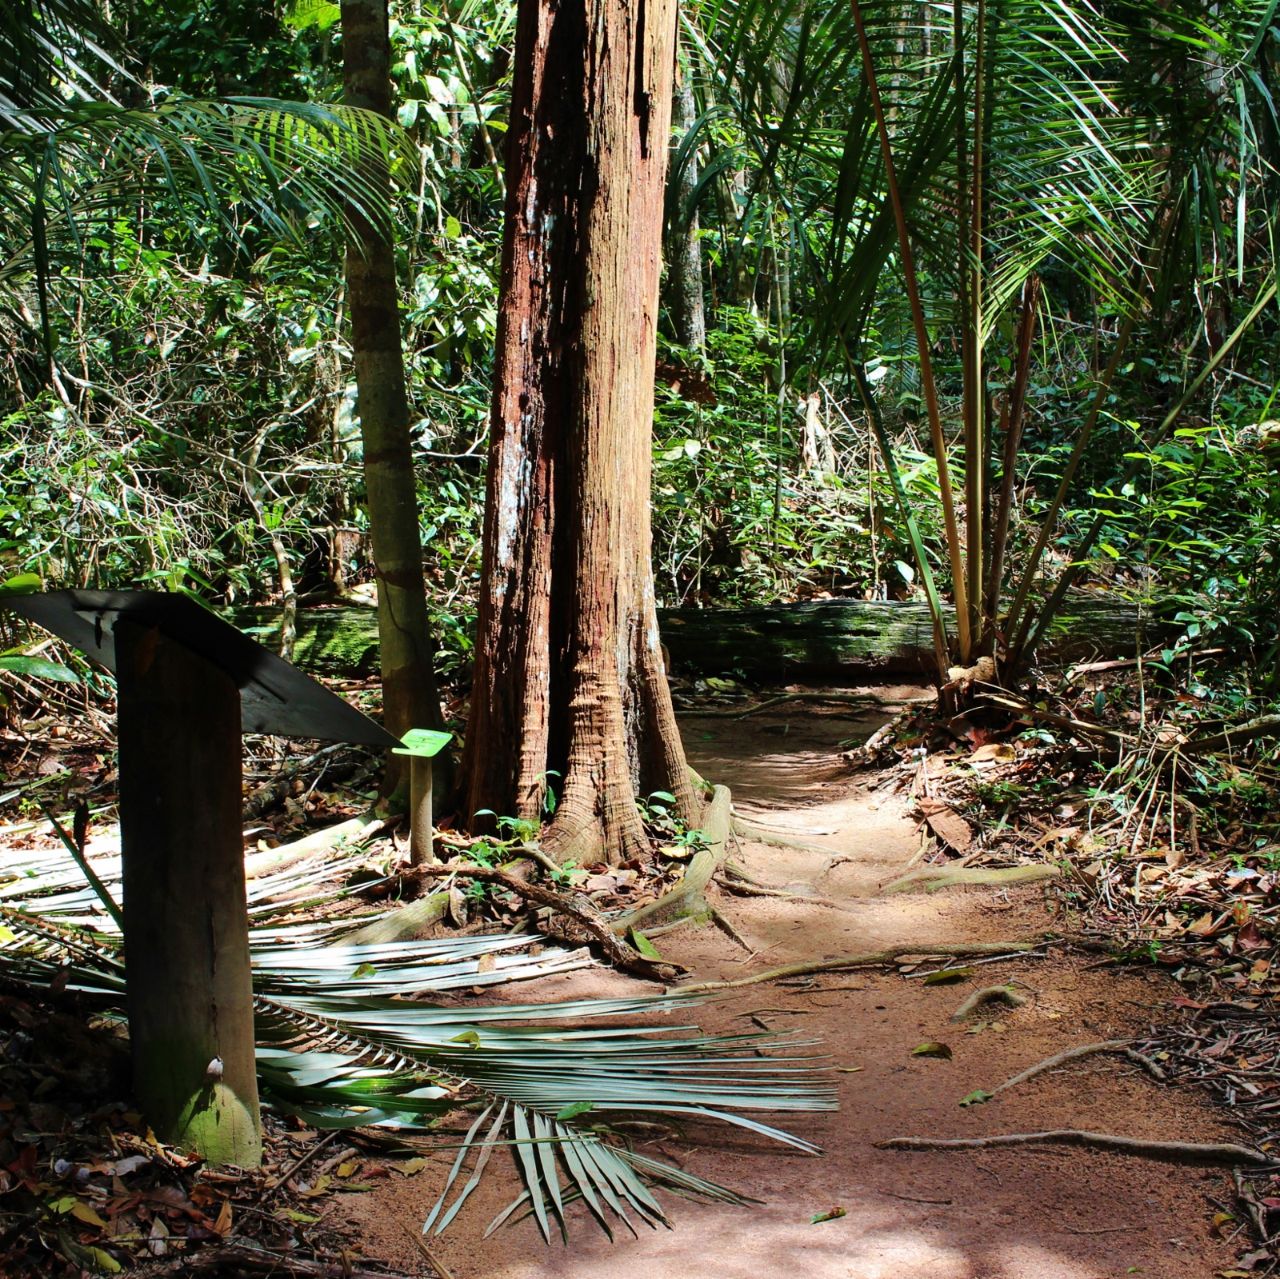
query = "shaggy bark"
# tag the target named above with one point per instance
(409, 695)
(569, 678)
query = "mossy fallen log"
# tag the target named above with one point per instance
(842, 639)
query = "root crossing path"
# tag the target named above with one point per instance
(1024, 1212)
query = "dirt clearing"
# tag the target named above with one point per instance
(1032, 1213)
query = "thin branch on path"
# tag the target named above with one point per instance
(615, 949)
(871, 959)
(1202, 1154)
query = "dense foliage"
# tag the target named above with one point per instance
(178, 393)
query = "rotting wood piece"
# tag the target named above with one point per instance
(841, 638)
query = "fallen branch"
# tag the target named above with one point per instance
(1122, 1046)
(241, 1259)
(871, 959)
(400, 924)
(1205, 1155)
(354, 831)
(1263, 726)
(616, 950)
(934, 878)
(987, 995)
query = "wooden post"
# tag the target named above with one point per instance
(421, 745)
(186, 923)
(421, 847)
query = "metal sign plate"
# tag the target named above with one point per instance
(275, 697)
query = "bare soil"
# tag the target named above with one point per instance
(1033, 1213)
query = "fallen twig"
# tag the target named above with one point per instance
(870, 959)
(615, 949)
(1202, 1154)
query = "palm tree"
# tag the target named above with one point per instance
(932, 160)
(83, 141)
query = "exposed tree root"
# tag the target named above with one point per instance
(870, 959)
(1207, 1155)
(687, 897)
(933, 878)
(745, 829)
(748, 888)
(617, 951)
(1121, 1046)
(988, 995)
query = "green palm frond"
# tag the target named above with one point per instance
(346, 1039)
(212, 165)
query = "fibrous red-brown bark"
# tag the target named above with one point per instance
(569, 684)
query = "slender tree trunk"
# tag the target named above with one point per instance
(409, 695)
(684, 249)
(569, 682)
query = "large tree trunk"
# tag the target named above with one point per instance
(569, 679)
(684, 248)
(409, 695)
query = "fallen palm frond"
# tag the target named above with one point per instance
(344, 1041)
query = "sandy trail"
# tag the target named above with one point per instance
(1031, 1214)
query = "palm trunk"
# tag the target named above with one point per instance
(684, 250)
(569, 679)
(409, 695)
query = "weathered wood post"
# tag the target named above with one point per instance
(189, 685)
(422, 745)
(187, 946)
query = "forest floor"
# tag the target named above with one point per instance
(1026, 1213)
(859, 1211)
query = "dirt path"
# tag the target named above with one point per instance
(1038, 1214)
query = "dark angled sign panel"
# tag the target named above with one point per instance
(275, 697)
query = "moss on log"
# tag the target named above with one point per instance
(838, 638)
